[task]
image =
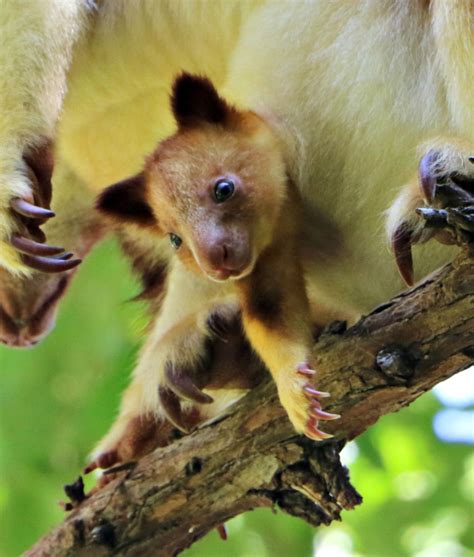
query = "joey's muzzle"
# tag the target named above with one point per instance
(224, 259)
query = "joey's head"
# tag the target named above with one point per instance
(216, 186)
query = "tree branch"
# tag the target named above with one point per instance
(252, 458)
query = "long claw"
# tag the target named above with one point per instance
(104, 460)
(435, 218)
(401, 245)
(427, 179)
(303, 369)
(172, 408)
(314, 433)
(319, 414)
(181, 384)
(29, 210)
(317, 435)
(49, 264)
(310, 392)
(25, 245)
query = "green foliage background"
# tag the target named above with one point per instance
(58, 399)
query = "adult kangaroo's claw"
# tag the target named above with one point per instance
(401, 245)
(30, 247)
(49, 264)
(26, 209)
(427, 177)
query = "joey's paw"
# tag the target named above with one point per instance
(103, 460)
(449, 198)
(130, 438)
(302, 402)
(446, 185)
(27, 212)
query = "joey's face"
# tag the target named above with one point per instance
(217, 194)
(216, 187)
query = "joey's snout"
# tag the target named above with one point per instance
(226, 260)
(222, 257)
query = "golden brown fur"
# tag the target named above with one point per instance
(257, 226)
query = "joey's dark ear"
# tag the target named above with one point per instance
(126, 202)
(195, 100)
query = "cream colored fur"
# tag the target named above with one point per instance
(36, 49)
(355, 90)
(353, 111)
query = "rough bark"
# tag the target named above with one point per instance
(251, 457)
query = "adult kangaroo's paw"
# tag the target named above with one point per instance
(439, 204)
(449, 198)
(25, 193)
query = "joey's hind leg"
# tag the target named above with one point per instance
(438, 203)
(231, 369)
(175, 352)
(152, 410)
(133, 434)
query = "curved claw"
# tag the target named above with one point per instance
(305, 370)
(317, 435)
(319, 414)
(172, 409)
(401, 245)
(50, 264)
(181, 384)
(104, 460)
(427, 179)
(314, 433)
(434, 218)
(29, 210)
(31, 247)
(311, 393)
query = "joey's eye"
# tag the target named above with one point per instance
(223, 189)
(175, 240)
